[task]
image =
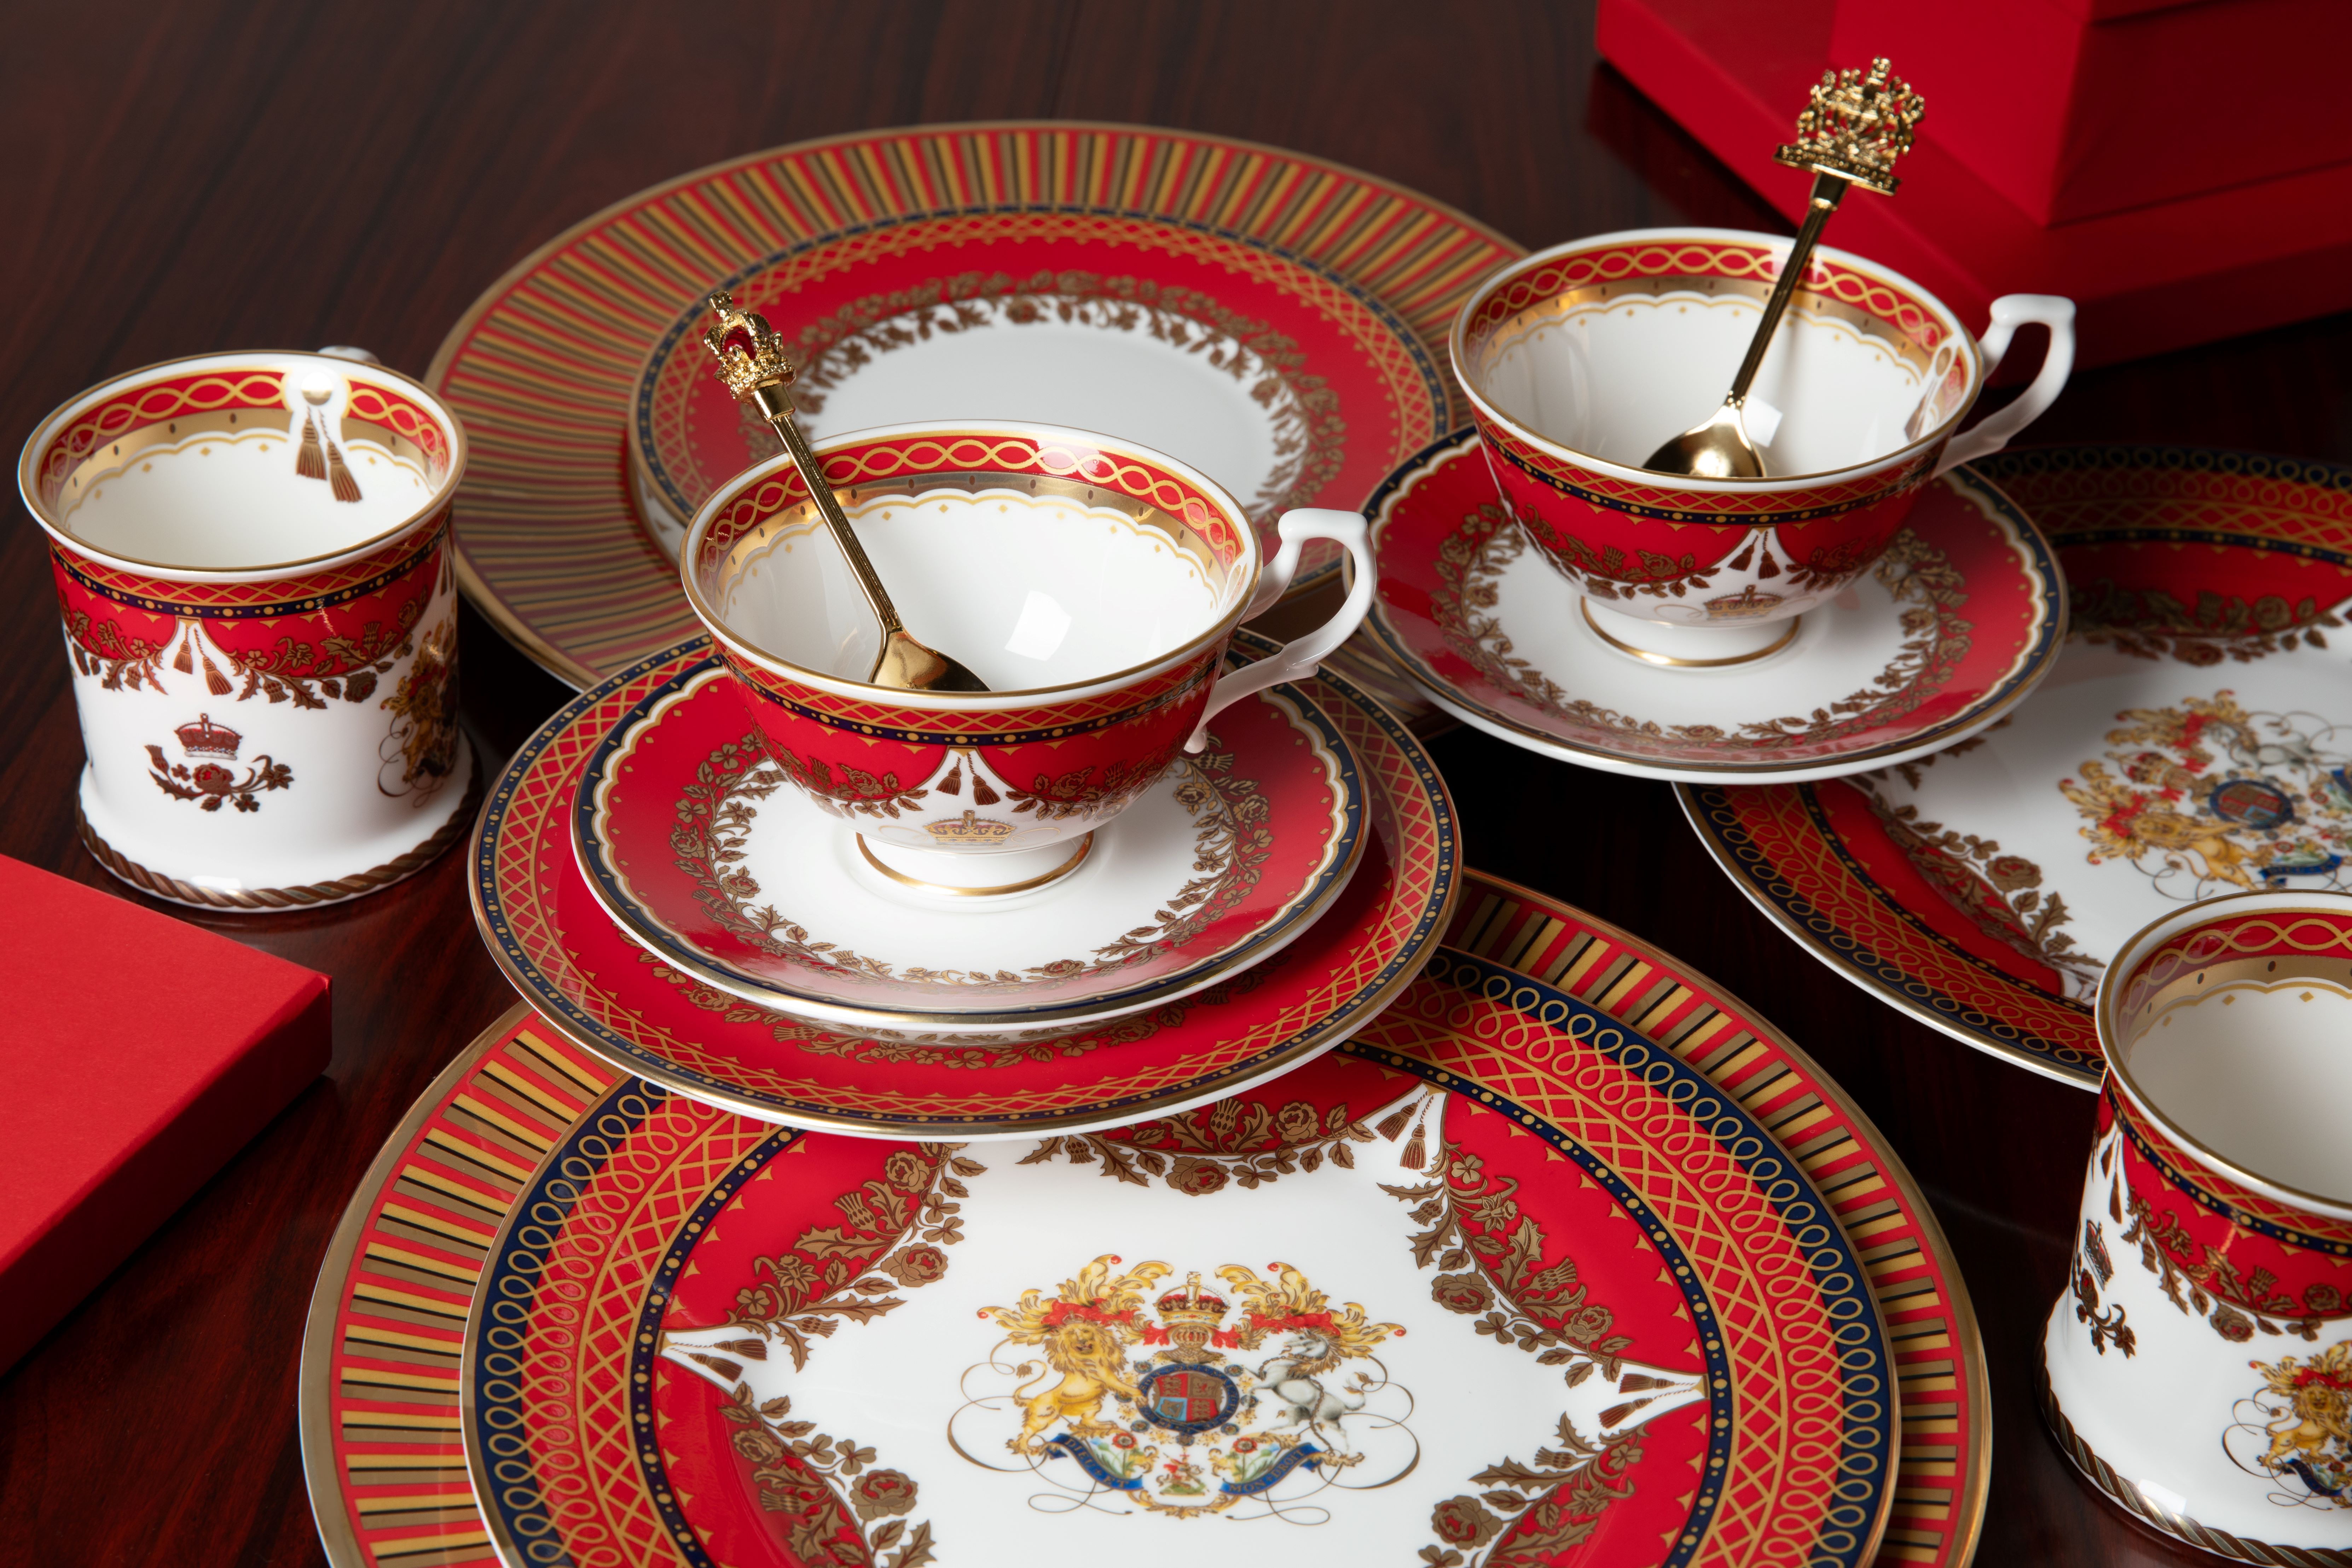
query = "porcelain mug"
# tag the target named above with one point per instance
(251, 553)
(1582, 359)
(1091, 582)
(2199, 1364)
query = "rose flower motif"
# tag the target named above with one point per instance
(1197, 1176)
(881, 1494)
(1461, 1521)
(1465, 1294)
(905, 1170)
(1295, 1121)
(917, 1265)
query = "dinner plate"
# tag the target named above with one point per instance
(379, 1377)
(609, 996)
(703, 854)
(2194, 740)
(1944, 1476)
(1503, 1278)
(1277, 318)
(1950, 630)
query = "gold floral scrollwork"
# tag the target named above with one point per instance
(713, 822)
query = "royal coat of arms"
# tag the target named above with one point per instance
(2298, 1430)
(1186, 1403)
(2206, 798)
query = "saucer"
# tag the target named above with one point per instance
(604, 993)
(2195, 740)
(704, 853)
(1289, 315)
(1504, 1280)
(1952, 628)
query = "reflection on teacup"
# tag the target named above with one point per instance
(251, 556)
(1580, 359)
(2200, 1363)
(1093, 584)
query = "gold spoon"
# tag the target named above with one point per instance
(1849, 134)
(752, 365)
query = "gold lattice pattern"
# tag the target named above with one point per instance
(157, 402)
(1912, 315)
(918, 455)
(1745, 505)
(1782, 830)
(290, 595)
(542, 373)
(2306, 1227)
(1787, 1423)
(677, 376)
(746, 1058)
(1073, 715)
(399, 1482)
(403, 415)
(1940, 1359)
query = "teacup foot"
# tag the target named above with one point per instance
(976, 876)
(1690, 647)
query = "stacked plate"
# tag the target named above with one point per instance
(1246, 1171)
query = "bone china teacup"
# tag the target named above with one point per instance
(252, 561)
(1091, 582)
(2200, 1363)
(1580, 359)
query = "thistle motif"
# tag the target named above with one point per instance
(1856, 125)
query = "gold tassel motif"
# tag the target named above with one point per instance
(308, 462)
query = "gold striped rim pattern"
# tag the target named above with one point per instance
(379, 1381)
(542, 366)
(1947, 1422)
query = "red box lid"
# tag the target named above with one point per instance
(141, 1052)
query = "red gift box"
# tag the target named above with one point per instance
(142, 1052)
(2181, 172)
(2077, 108)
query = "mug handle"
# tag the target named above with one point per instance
(2010, 312)
(1304, 655)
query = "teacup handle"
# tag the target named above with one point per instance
(346, 351)
(1304, 654)
(2010, 312)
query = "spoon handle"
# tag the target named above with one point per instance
(775, 405)
(1828, 191)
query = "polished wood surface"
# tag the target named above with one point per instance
(209, 175)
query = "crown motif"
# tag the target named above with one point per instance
(1190, 1306)
(749, 352)
(205, 738)
(1856, 125)
(972, 829)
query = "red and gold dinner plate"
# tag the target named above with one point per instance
(1949, 630)
(609, 996)
(379, 1379)
(699, 847)
(1280, 317)
(1509, 1279)
(2196, 739)
(379, 1373)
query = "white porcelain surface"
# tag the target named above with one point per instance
(1198, 400)
(2212, 1425)
(344, 806)
(2283, 722)
(229, 500)
(936, 1386)
(1614, 378)
(1030, 590)
(1153, 860)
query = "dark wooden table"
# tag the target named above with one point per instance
(214, 174)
